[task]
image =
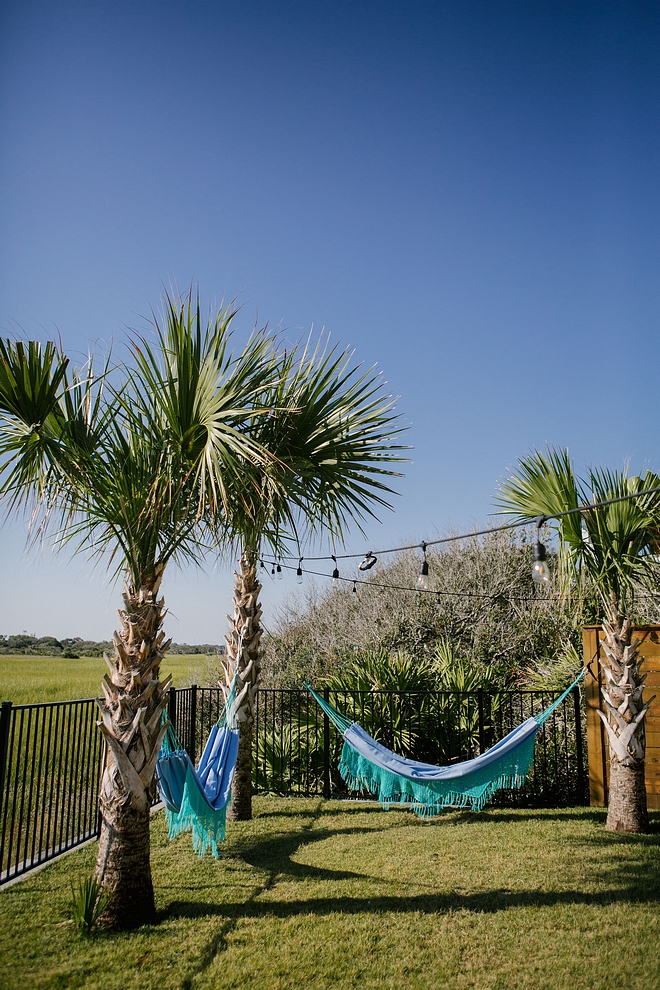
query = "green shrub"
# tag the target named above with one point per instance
(87, 904)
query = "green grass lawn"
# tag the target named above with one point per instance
(315, 894)
(25, 680)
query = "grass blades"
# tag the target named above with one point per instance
(326, 894)
(26, 680)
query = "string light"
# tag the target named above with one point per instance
(439, 594)
(371, 558)
(540, 569)
(280, 572)
(335, 574)
(422, 583)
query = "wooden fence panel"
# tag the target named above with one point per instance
(649, 647)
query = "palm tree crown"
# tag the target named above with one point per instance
(612, 547)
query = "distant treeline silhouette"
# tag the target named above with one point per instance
(73, 648)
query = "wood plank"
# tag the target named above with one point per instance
(597, 788)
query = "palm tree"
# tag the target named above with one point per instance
(130, 475)
(611, 549)
(330, 431)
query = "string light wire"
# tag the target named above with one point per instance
(540, 520)
(416, 591)
(585, 507)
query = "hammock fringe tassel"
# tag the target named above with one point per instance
(428, 799)
(206, 825)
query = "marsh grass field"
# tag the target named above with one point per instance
(322, 894)
(26, 680)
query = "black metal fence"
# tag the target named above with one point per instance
(50, 754)
(50, 757)
(297, 751)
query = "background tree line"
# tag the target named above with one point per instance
(72, 647)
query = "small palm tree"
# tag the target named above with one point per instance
(131, 475)
(331, 434)
(611, 549)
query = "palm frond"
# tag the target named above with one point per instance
(610, 545)
(32, 452)
(330, 430)
(189, 388)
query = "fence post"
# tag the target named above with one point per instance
(193, 722)
(326, 746)
(5, 716)
(578, 741)
(171, 706)
(482, 731)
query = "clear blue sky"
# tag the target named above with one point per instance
(467, 192)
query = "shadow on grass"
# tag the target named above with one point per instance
(276, 858)
(596, 816)
(213, 948)
(632, 880)
(339, 808)
(484, 902)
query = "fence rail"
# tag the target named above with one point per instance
(50, 754)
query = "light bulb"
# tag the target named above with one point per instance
(368, 562)
(423, 576)
(299, 574)
(540, 572)
(280, 572)
(272, 571)
(540, 569)
(335, 575)
(354, 587)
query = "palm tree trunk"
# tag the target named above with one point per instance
(131, 715)
(625, 724)
(242, 656)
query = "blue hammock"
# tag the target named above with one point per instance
(367, 765)
(196, 798)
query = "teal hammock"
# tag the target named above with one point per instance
(426, 789)
(196, 798)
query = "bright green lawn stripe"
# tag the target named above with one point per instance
(325, 894)
(26, 680)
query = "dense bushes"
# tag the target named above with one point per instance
(488, 611)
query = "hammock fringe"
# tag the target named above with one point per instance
(206, 825)
(195, 812)
(428, 799)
